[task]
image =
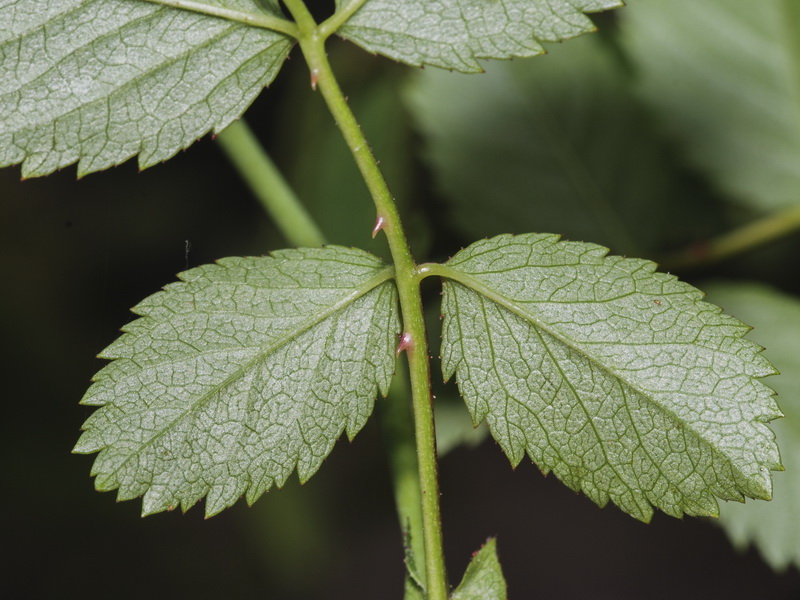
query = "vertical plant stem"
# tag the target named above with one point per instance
(397, 428)
(298, 227)
(312, 43)
(268, 185)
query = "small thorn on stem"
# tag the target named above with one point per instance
(314, 79)
(405, 343)
(379, 222)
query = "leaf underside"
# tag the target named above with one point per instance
(618, 379)
(453, 34)
(100, 81)
(240, 373)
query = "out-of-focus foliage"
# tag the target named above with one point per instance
(723, 78)
(557, 144)
(775, 526)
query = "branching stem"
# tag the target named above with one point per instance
(312, 44)
(329, 26)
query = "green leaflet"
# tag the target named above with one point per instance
(724, 78)
(242, 372)
(483, 579)
(452, 34)
(99, 81)
(618, 379)
(774, 528)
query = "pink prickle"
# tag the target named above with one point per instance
(378, 226)
(405, 343)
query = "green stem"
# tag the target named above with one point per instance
(734, 242)
(398, 432)
(312, 45)
(339, 18)
(268, 185)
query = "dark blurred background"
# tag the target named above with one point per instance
(75, 255)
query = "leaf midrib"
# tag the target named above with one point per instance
(264, 21)
(386, 274)
(477, 286)
(131, 83)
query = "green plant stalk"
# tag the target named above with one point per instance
(339, 18)
(268, 185)
(739, 240)
(281, 203)
(397, 430)
(312, 43)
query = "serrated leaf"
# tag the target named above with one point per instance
(773, 528)
(453, 34)
(242, 372)
(724, 78)
(618, 379)
(483, 579)
(99, 81)
(559, 143)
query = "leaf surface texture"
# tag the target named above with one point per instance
(99, 81)
(453, 34)
(240, 373)
(618, 379)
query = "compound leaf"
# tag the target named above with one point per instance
(724, 77)
(618, 379)
(240, 373)
(773, 528)
(453, 34)
(99, 81)
(483, 579)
